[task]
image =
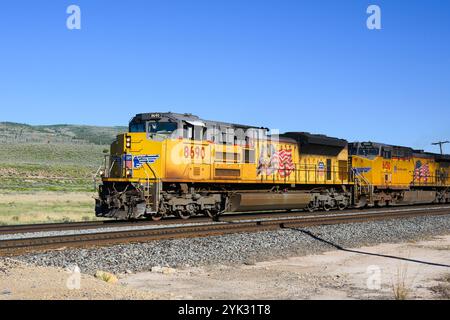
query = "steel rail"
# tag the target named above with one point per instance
(25, 245)
(43, 227)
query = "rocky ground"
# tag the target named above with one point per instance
(241, 248)
(19, 280)
(336, 261)
(411, 270)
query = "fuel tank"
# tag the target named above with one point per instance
(418, 197)
(241, 202)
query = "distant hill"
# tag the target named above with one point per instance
(53, 157)
(68, 134)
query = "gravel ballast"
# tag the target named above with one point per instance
(243, 248)
(41, 234)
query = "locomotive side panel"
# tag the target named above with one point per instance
(401, 171)
(323, 169)
(424, 170)
(444, 172)
(187, 160)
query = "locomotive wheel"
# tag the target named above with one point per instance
(311, 207)
(208, 213)
(157, 216)
(326, 207)
(361, 203)
(341, 206)
(380, 204)
(183, 214)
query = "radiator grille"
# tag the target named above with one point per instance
(233, 173)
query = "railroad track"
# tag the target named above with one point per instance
(44, 227)
(24, 245)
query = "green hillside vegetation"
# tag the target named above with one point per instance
(52, 158)
(23, 133)
(49, 167)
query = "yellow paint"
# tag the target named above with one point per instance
(399, 173)
(182, 160)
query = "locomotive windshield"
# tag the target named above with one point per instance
(368, 151)
(137, 127)
(365, 149)
(155, 127)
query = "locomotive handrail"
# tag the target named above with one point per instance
(156, 178)
(148, 180)
(97, 173)
(154, 174)
(109, 170)
(156, 189)
(94, 178)
(358, 178)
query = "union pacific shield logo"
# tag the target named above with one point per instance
(139, 161)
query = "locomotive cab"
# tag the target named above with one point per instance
(136, 167)
(133, 171)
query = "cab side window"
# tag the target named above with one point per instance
(191, 132)
(188, 132)
(386, 153)
(198, 133)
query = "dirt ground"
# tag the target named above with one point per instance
(413, 270)
(419, 270)
(24, 282)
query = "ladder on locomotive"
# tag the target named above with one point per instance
(152, 189)
(362, 185)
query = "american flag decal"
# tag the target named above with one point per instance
(421, 172)
(128, 158)
(286, 165)
(280, 161)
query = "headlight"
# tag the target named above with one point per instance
(129, 173)
(128, 142)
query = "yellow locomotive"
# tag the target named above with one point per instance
(179, 164)
(390, 175)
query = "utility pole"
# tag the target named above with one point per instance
(440, 143)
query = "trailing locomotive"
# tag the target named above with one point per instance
(391, 175)
(179, 164)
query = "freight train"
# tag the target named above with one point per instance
(171, 164)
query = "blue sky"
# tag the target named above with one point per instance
(293, 65)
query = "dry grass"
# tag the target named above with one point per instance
(43, 207)
(400, 286)
(106, 276)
